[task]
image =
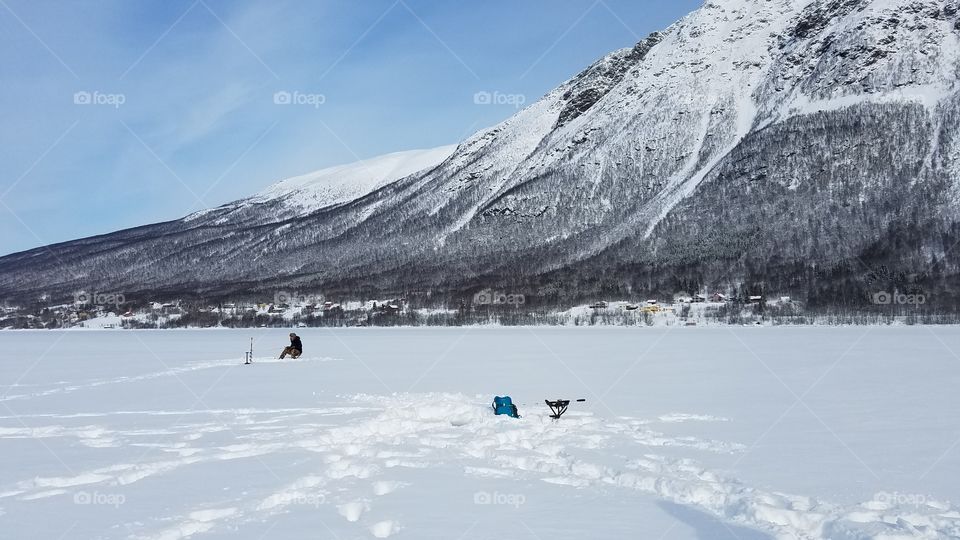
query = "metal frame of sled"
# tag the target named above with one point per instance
(558, 407)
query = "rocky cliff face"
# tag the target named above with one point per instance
(797, 143)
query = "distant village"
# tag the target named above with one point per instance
(297, 311)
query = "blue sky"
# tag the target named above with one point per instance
(118, 113)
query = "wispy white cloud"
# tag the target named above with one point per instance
(201, 96)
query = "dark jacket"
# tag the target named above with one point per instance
(296, 344)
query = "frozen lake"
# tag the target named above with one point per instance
(686, 433)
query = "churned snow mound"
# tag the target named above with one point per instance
(412, 430)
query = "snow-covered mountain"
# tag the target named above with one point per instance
(810, 145)
(302, 195)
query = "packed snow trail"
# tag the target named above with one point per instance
(65, 388)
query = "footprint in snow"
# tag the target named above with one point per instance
(384, 529)
(384, 487)
(353, 510)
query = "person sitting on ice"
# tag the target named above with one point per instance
(295, 349)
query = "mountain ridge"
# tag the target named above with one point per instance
(748, 125)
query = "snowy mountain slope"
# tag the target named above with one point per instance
(340, 184)
(674, 114)
(224, 235)
(752, 140)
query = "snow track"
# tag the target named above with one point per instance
(379, 434)
(66, 388)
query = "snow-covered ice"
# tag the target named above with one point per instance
(711, 433)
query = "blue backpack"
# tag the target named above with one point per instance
(504, 405)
